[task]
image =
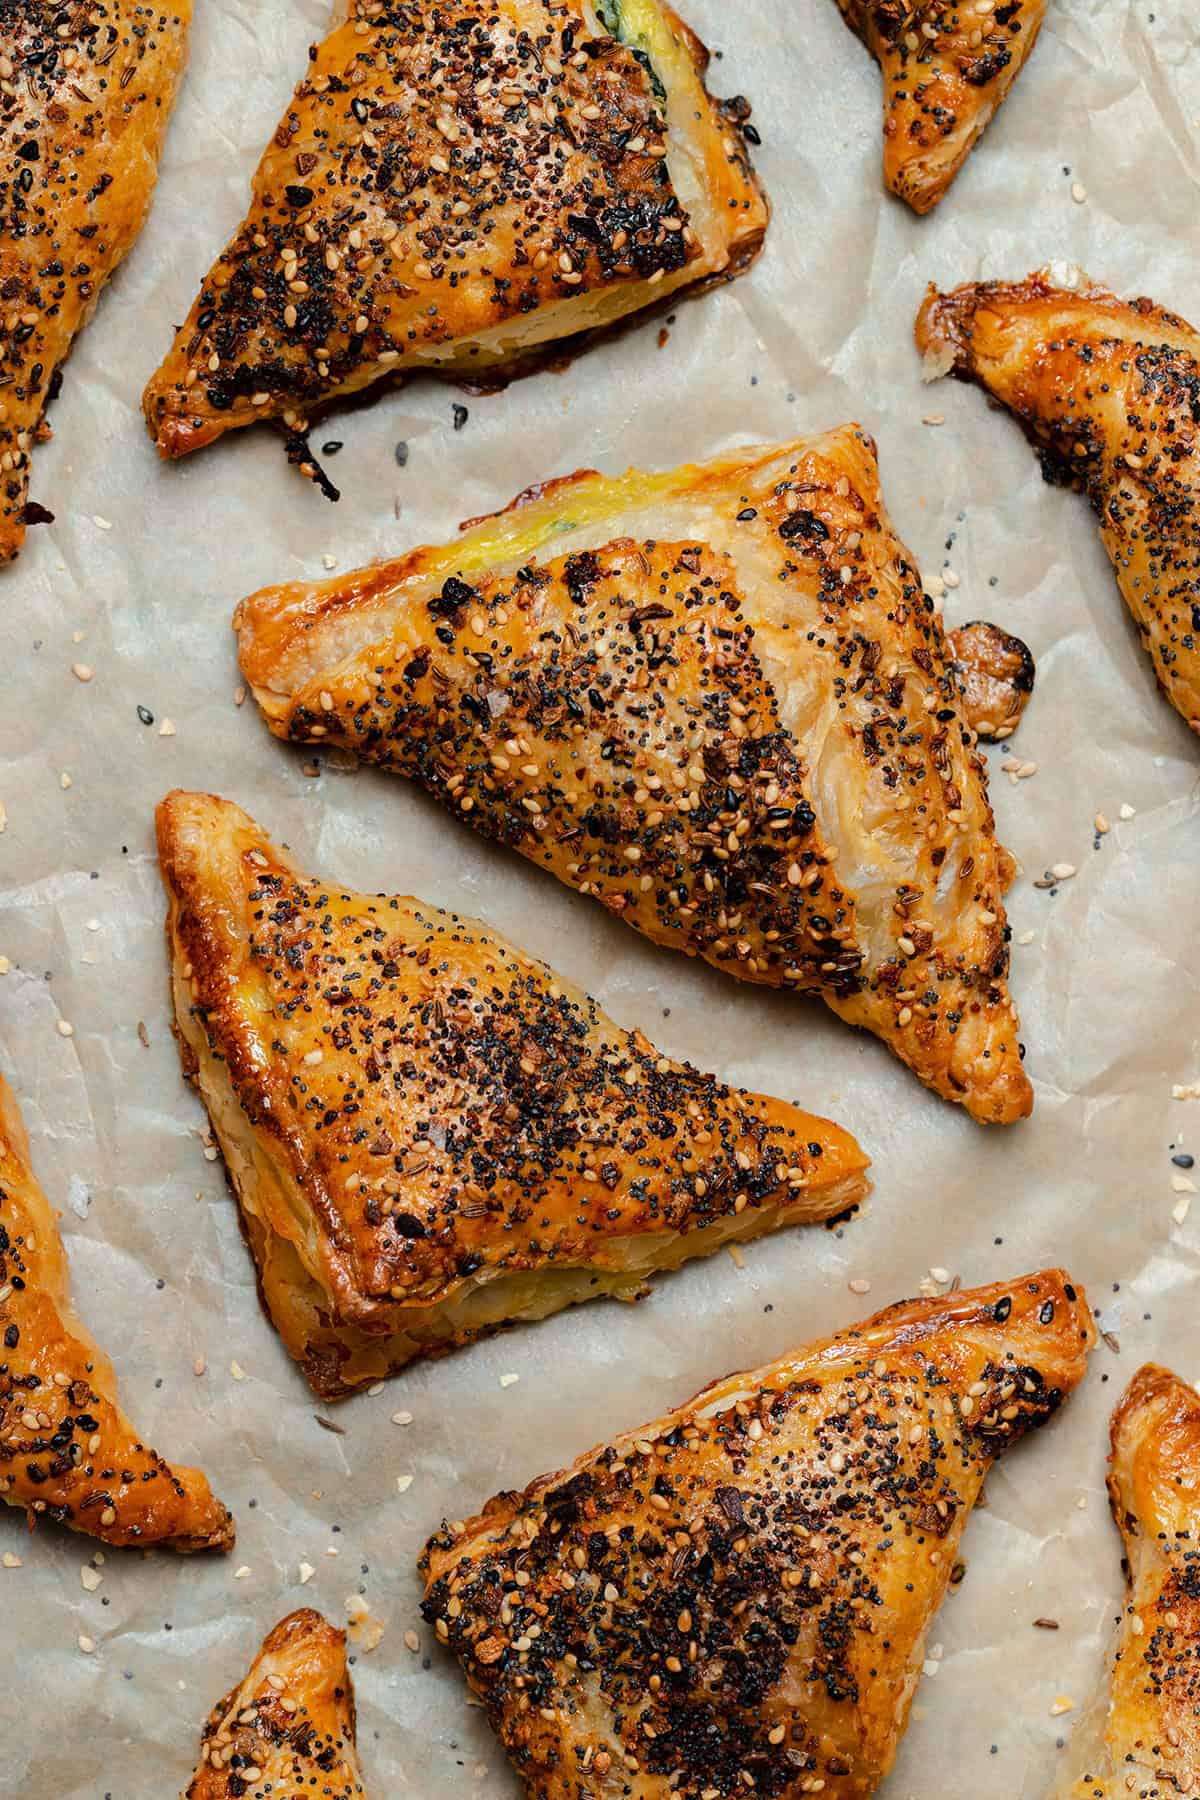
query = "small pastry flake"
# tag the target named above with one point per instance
(456, 188)
(947, 66)
(718, 700)
(735, 1598)
(289, 1728)
(86, 91)
(67, 1451)
(1149, 1743)
(430, 1133)
(1106, 390)
(997, 672)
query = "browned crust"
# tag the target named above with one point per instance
(1106, 391)
(292, 1717)
(368, 661)
(743, 1586)
(947, 69)
(91, 88)
(576, 1147)
(443, 173)
(68, 1454)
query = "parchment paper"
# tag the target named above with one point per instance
(138, 578)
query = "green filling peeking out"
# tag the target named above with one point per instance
(611, 14)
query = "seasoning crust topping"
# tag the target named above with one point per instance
(430, 1133)
(719, 701)
(455, 187)
(68, 1454)
(86, 91)
(947, 67)
(1108, 393)
(735, 1598)
(289, 1727)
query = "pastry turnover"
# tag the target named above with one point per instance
(289, 1728)
(67, 1451)
(1108, 391)
(735, 1598)
(430, 1133)
(717, 699)
(947, 66)
(1149, 1743)
(453, 187)
(86, 91)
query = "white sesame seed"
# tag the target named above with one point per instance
(1127, 811)
(306, 1573)
(167, 728)
(11, 1560)
(1062, 1704)
(101, 524)
(1078, 192)
(237, 1371)
(403, 1483)
(1062, 871)
(507, 1381)
(91, 1578)
(86, 1644)
(860, 1285)
(82, 671)
(402, 1418)
(65, 1028)
(951, 578)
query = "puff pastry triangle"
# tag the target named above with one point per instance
(1148, 1742)
(718, 700)
(735, 1598)
(289, 1727)
(67, 1451)
(429, 1132)
(85, 95)
(456, 187)
(1108, 391)
(947, 67)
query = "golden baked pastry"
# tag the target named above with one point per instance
(1148, 1744)
(86, 91)
(947, 66)
(454, 188)
(430, 1133)
(1108, 391)
(997, 672)
(288, 1729)
(718, 700)
(735, 1598)
(67, 1451)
